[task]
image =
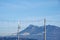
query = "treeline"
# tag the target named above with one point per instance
(14, 38)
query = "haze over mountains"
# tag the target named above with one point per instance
(37, 33)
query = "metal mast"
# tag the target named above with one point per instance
(44, 29)
(18, 31)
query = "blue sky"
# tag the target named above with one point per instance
(13, 10)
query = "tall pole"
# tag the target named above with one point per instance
(44, 29)
(18, 31)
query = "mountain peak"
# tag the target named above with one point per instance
(32, 26)
(32, 29)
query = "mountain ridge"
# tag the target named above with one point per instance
(33, 27)
(52, 32)
(37, 32)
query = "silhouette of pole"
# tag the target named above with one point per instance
(44, 29)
